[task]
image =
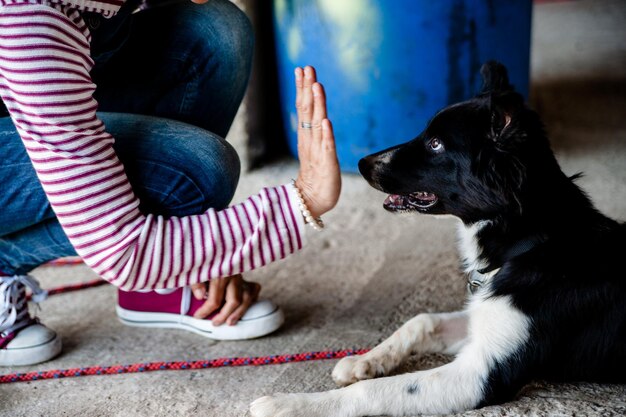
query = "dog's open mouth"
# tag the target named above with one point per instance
(420, 200)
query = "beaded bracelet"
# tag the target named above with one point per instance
(316, 223)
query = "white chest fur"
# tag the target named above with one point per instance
(471, 253)
(469, 247)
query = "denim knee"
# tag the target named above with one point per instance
(189, 177)
(223, 33)
(218, 47)
(175, 169)
(213, 165)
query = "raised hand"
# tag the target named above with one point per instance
(319, 178)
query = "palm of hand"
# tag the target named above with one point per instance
(319, 177)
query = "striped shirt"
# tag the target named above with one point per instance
(107, 8)
(46, 86)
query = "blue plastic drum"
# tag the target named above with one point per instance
(389, 65)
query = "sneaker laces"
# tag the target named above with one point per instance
(13, 311)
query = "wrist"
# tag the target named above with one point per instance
(309, 202)
(310, 216)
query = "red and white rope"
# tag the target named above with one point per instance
(162, 366)
(178, 366)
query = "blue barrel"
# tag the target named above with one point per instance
(389, 65)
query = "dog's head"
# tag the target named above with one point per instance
(472, 159)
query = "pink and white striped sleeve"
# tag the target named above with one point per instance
(45, 84)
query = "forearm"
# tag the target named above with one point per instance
(48, 91)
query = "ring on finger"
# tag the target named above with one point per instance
(306, 125)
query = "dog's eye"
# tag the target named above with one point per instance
(436, 145)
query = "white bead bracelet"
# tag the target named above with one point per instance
(316, 223)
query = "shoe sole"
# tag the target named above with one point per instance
(244, 329)
(31, 355)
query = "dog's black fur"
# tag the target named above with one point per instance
(561, 261)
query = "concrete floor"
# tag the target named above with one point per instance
(364, 276)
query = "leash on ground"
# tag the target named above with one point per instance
(178, 366)
(162, 366)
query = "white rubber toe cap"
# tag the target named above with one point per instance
(262, 318)
(259, 309)
(33, 344)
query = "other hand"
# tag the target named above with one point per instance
(235, 293)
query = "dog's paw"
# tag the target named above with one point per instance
(284, 405)
(352, 369)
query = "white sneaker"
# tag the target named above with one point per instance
(23, 340)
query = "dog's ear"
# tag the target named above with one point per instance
(504, 174)
(495, 78)
(504, 102)
(505, 112)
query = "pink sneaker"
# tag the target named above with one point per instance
(174, 309)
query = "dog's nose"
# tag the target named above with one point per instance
(365, 166)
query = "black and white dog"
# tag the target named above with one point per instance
(546, 270)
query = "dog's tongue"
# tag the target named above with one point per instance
(393, 199)
(423, 195)
(395, 202)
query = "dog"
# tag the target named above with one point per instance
(545, 270)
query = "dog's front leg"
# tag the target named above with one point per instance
(445, 389)
(425, 333)
(445, 332)
(497, 332)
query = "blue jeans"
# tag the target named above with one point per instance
(168, 108)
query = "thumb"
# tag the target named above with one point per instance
(199, 290)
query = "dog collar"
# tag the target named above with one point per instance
(477, 278)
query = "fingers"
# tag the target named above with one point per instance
(250, 295)
(328, 137)
(217, 288)
(311, 109)
(305, 78)
(199, 290)
(319, 109)
(236, 295)
(299, 76)
(319, 178)
(233, 300)
(306, 106)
